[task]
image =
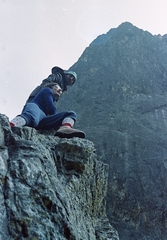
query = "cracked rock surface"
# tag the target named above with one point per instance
(51, 188)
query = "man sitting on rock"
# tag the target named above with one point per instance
(41, 113)
(58, 75)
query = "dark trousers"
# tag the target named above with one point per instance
(36, 118)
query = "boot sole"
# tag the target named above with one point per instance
(70, 135)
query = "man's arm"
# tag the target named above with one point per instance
(49, 101)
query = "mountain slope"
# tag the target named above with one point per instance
(121, 102)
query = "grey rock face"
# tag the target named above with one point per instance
(51, 188)
(121, 102)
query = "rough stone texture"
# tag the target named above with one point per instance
(51, 188)
(121, 101)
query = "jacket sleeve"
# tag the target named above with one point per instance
(49, 102)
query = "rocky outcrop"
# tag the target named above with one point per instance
(121, 101)
(51, 188)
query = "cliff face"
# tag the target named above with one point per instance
(121, 102)
(51, 188)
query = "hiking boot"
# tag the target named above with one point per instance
(67, 132)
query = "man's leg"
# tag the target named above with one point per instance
(30, 116)
(64, 121)
(55, 121)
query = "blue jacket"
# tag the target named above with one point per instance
(45, 101)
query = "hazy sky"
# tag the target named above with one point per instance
(36, 35)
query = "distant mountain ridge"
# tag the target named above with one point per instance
(121, 101)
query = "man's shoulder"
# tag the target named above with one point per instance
(46, 89)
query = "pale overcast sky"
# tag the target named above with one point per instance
(39, 34)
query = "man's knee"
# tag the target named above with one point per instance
(72, 114)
